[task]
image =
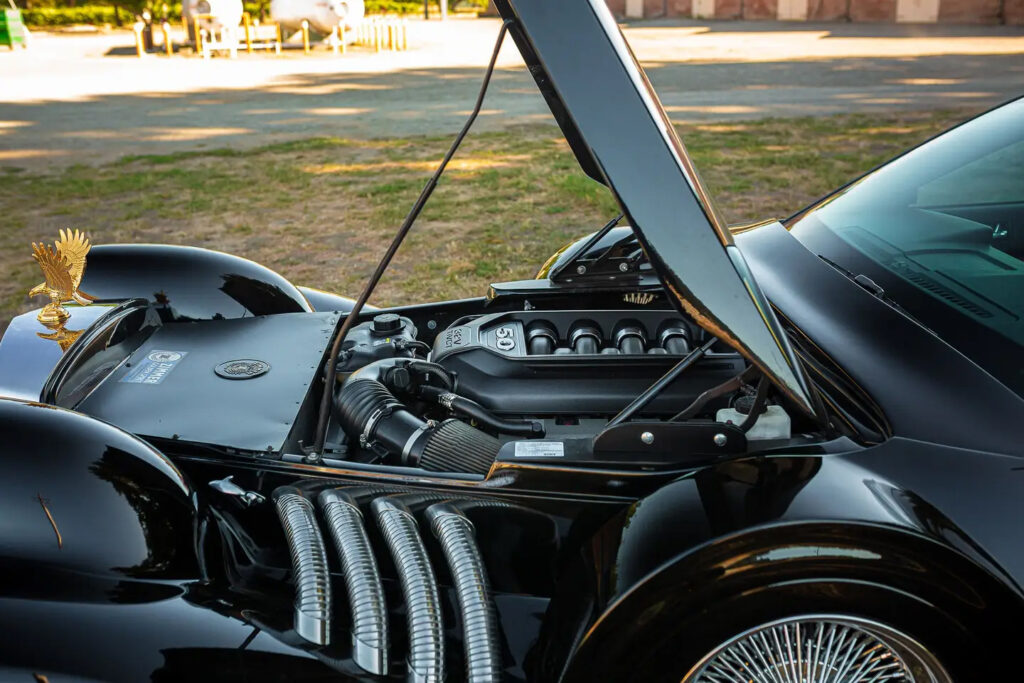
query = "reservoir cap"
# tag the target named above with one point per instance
(387, 323)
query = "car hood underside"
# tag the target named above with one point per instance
(622, 137)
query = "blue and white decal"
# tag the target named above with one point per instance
(154, 368)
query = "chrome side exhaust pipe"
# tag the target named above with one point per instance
(457, 537)
(419, 588)
(309, 565)
(362, 580)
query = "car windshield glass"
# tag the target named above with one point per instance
(941, 231)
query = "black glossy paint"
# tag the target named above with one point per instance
(861, 531)
(320, 300)
(188, 283)
(648, 170)
(925, 388)
(81, 496)
(164, 634)
(113, 566)
(27, 359)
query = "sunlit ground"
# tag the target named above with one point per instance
(85, 98)
(320, 211)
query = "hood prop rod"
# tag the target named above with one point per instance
(587, 246)
(325, 402)
(652, 391)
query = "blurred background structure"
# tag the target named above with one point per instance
(902, 11)
(52, 13)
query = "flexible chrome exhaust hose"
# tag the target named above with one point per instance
(309, 565)
(419, 588)
(480, 632)
(362, 580)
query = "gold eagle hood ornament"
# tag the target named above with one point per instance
(63, 266)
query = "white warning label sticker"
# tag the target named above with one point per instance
(540, 449)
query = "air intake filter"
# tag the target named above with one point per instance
(456, 447)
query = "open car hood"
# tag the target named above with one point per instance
(614, 123)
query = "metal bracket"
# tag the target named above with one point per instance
(230, 488)
(668, 442)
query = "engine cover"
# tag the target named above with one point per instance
(238, 384)
(590, 366)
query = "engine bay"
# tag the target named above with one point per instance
(457, 390)
(448, 389)
(443, 390)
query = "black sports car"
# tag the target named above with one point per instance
(789, 453)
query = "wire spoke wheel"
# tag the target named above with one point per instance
(820, 649)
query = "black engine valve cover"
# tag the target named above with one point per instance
(567, 363)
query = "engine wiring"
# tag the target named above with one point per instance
(760, 399)
(706, 397)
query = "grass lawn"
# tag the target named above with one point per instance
(321, 211)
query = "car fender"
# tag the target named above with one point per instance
(636, 637)
(189, 283)
(743, 527)
(83, 499)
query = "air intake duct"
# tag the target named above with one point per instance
(454, 446)
(369, 412)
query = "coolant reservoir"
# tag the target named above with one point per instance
(772, 424)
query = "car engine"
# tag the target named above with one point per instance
(546, 382)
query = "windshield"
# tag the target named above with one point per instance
(941, 231)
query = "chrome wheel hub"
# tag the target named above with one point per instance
(820, 649)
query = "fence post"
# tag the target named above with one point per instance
(199, 37)
(137, 29)
(248, 31)
(168, 45)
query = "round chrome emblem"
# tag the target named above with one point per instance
(243, 368)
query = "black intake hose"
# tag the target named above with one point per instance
(530, 429)
(370, 413)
